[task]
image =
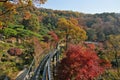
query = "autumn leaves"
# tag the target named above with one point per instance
(71, 30)
(80, 62)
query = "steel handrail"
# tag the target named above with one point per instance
(29, 70)
(45, 66)
(41, 65)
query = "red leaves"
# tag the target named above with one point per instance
(91, 46)
(14, 52)
(54, 36)
(81, 63)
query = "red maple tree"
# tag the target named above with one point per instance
(55, 39)
(81, 63)
(53, 35)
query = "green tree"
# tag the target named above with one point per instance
(114, 42)
(91, 34)
(32, 23)
(8, 32)
(101, 36)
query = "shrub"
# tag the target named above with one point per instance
(14, 51)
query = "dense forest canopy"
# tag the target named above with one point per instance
(97, 26)
(24, 26)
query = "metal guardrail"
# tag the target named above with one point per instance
(30, 70)
(47, 70)
(37, 73)
(22, 74)
(43, 71)
(43, 67)
(27, 73)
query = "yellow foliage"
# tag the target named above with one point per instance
(62, 23)
(1, 24)
(1, 3)
(9, 6)
(14, 11)
(30, 3)
(71, 28)
(74, 21)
